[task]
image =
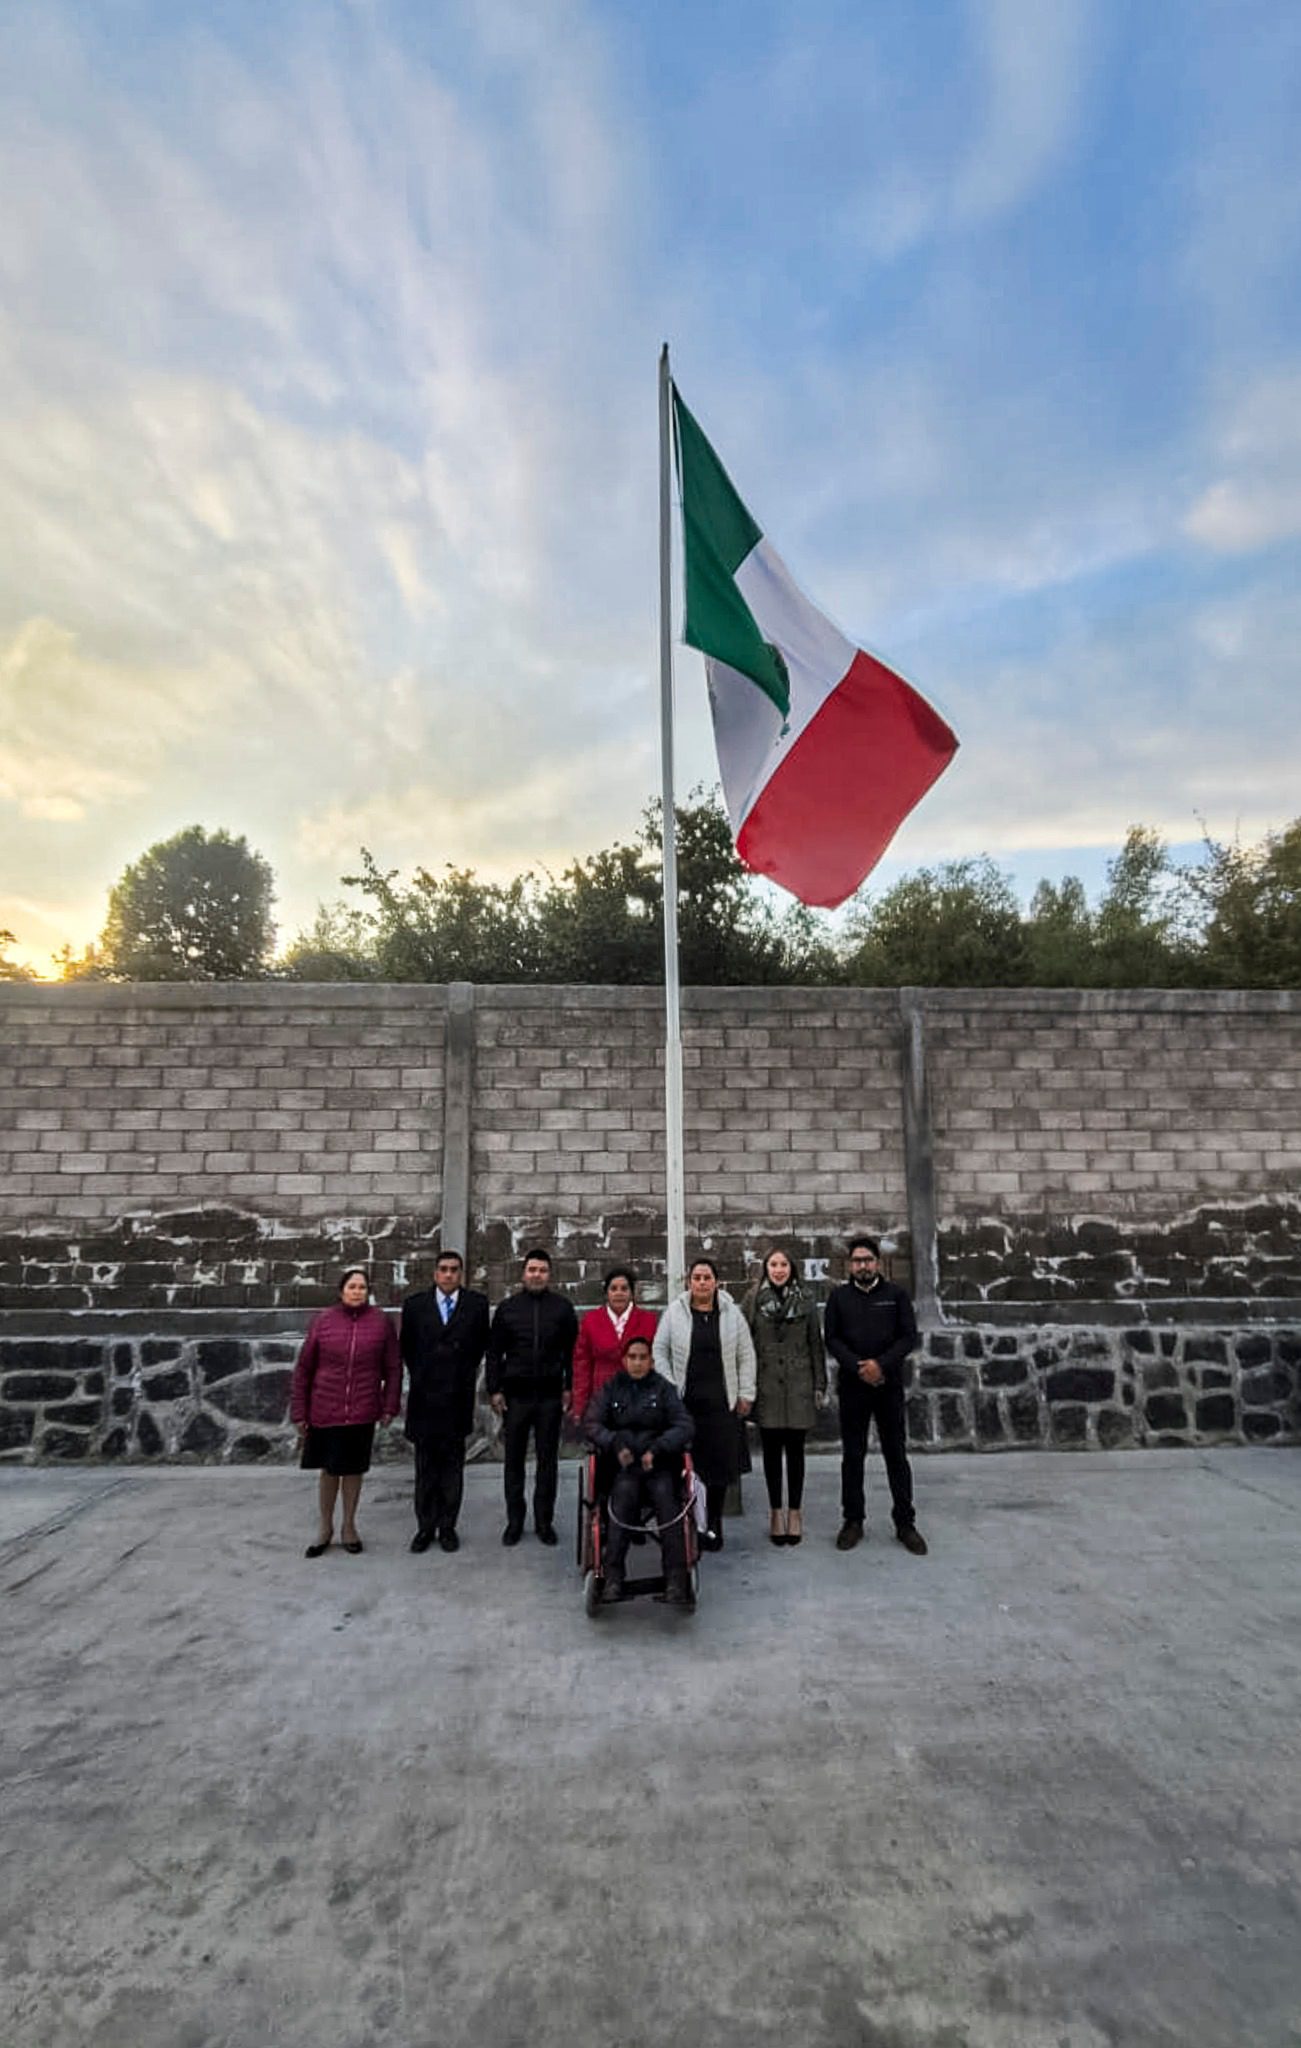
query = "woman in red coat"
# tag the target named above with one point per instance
(603, 1335)
(348, 1378)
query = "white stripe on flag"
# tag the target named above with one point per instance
(747, 724)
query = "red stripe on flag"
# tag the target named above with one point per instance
(824, 820)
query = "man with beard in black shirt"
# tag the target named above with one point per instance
(529, 1372)
(870, 1329)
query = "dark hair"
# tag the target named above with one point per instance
(702, 1259)
(637, 1340)
(619, 1273)
(539, 1251)
(865, 1244)
(349, 1273)
(771, 1253)
(444, 1252)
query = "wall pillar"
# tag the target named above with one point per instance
(919, 1161)
(458, 1090)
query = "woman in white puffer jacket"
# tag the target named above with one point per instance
(703, 1344)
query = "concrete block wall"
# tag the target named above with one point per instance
(230, 1147)
(791, 1114)
(190, 1167)
(1126, 1145)
(226, 1147)
(567, 1135)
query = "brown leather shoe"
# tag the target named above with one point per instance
(850, 1534)
(913, 1540)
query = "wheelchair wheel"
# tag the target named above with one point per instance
(592, 1594)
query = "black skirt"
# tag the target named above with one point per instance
(343, 1451)
(716, 1448)
(716, 1445)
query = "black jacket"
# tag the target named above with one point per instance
(442, 1361)
(531, 1344)
(875, 1322)
(641, 1415)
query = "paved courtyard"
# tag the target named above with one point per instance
(1041, 1789)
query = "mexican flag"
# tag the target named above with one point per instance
(823, 749)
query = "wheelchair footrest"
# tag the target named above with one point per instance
(655, 1584)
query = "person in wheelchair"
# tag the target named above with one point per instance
(641, 1425)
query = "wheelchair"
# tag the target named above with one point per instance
(594, 1477)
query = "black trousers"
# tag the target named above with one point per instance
(541, 1414)
(787, 1445)
(630, 1489)
(886, 1405)
(440, 1481)
(715, 1502)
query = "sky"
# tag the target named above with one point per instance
(328, 341)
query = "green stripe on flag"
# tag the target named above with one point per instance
(719, 534)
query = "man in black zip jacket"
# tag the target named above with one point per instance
(870, 1329)
(529, 1372)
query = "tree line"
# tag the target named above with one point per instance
(199, 907)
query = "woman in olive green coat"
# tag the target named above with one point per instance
(792, 1367)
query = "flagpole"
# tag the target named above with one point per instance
(674, 1177)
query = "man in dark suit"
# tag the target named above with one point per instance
(444, 1335)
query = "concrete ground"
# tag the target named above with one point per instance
(1041, 1788)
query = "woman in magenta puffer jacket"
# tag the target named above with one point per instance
(348, 1378)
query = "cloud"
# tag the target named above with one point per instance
(417, 821)
(1256, 501)
(326, 512)
(1019, 94)
(327, 442)
(1037, 62)
(76, 732)
(1167, 715)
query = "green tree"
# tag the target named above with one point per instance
(451, 927)
(196, 907)
(337, 946)
(1141, 932)
(1059, 936)
(1280, 906)
(10, 969)
(1251, 902)
(88, 965)
(601, 921)
(955, 926)
(730, 932)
